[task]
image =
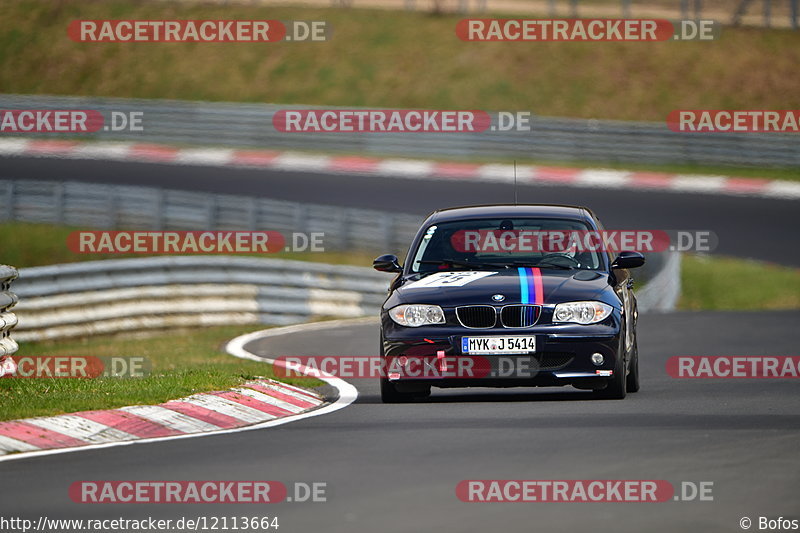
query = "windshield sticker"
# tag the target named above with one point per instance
(448, 279)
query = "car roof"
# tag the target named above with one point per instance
(510, 211)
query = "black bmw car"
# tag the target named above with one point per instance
(487, 298)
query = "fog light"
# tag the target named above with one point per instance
(597, 359)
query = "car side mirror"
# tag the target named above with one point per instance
(387, 263)
(628, 260)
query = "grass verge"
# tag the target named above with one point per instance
(27, 245)
(723, 283)
(383, 58)
(182, 365)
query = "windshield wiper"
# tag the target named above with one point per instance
(544, 264)
(455, 262)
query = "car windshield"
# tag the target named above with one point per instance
(504, 243)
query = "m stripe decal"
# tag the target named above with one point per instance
(530, 283)
(538, 289)
(523, 285)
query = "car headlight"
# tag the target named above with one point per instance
(416, 315)
(581, 312)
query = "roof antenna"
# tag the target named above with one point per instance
(515, 183)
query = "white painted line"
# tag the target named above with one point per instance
(297, 161)
(697, 183)
(502, 173)
(116, 151)
(171, 419)
(227, 407)
(347, 392)
(81, 428)
(408, 168)
(10, 445)
(13, 146)
(783, 189)
(204, 156)
(611, 179)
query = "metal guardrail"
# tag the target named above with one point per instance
(123, 295)
(8, 319)
(103, 297)
(89, 205)
(552, 139)
(663, 285)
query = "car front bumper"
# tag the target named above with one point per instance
(563, 356)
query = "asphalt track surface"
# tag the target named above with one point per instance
(757, 228)
(394, 468)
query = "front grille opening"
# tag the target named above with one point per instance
(519, 316)
(554, 360)
(477, 316)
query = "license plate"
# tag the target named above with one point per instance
(498, 345)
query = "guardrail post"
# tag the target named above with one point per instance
(158, 207)
(793, 13)
(113, 210)
(211, 212)
(626, 9)
(8, 320)
(252, 214)
(58, 202)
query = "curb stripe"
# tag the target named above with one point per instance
(234, 410)
(301, 392)
(253, 404)
(254, 157)
(404, 168)
(247, 401)
(168, 417)
(129, 423)
(81, 428)
(269, 400)
(10, 445)
(190, 408)
(37, 436)
(286, 396)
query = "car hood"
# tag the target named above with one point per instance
(516, 285)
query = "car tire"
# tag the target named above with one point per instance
(389, 394)
(632, 384)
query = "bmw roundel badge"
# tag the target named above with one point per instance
(498, 297)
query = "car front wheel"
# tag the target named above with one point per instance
(389, 394)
